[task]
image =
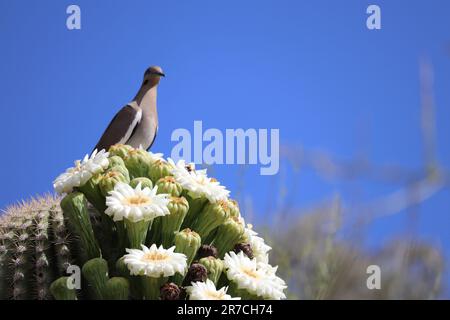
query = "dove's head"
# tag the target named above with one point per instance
(152, 75)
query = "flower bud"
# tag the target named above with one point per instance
(187, 242)
(212, 215)
(115, 161)
(228, 234)
(120, 150)
(171, 223)
(145, 183)
(92, 192)
(138, 162)
(109, 180)
(234, 208)
(123, 170)
(159, 169)
(214, 267)
(168, 185)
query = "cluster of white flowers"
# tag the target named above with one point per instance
(155, 262)
(257, 278)
(81, 172)
(253, 275)
(137, 204)
(207, 291)
(256, 275)
(197, 182)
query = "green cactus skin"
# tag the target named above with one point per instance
(196, 205)
(134, 281)
(96, 273)
(74, 206)
(117, 288)
(60, 290)
(212, 216)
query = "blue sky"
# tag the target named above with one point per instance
(310, 68)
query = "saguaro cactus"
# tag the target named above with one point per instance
(137, 226)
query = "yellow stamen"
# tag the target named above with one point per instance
(154, 256)
(251, 273)
(137, 200)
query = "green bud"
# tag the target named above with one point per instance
(138, 163)
(234, 208)
(145, 183)
(92, 192)
(117, 288)
(212, 216)
(171, 223)
(96, 273)
(109, 180)
(123, 170)
(228, 234)
(60, 290)
(170, 186)
(115, 161)
(187, 242)
(159, 169)
(121, 268)
(120, 150)
(214, 267)
(74, 208)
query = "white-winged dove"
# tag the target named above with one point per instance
(136, 124)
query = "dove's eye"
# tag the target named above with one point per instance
(145, 82)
